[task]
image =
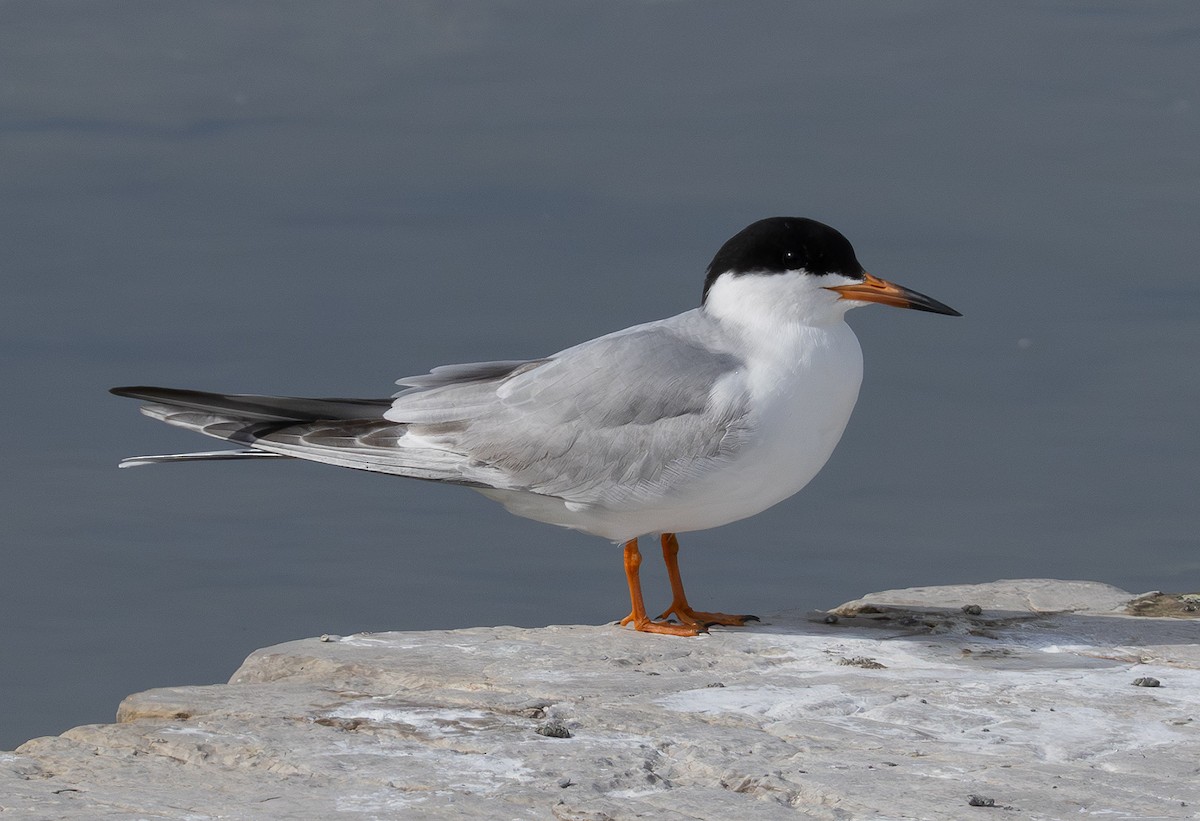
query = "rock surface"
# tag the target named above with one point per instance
(908, 705)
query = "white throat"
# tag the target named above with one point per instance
(770, 303)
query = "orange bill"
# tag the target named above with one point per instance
(874, 289)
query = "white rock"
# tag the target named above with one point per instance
(1019, 595)
(897, 713)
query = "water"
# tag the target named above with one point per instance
(316, 199)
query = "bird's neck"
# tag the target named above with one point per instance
(772, 309)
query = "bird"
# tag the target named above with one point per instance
(671, 426)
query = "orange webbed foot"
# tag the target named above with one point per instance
(647, 625)
(687, 615)
(679, 603)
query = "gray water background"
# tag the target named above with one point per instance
(317, 198)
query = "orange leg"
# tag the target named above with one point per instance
(642, 622)
(679, 603)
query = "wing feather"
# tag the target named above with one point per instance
(622, 417)
(467, 372)
(613, 422)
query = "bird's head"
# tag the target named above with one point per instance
(799, 268)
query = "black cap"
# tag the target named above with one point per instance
(778, 244)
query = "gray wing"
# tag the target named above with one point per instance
(619, 418)
(465, 373)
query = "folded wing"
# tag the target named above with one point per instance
(613, 421)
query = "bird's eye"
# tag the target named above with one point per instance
(790, 258)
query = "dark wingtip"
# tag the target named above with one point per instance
(146, 392)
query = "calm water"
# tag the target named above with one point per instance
(315, 198)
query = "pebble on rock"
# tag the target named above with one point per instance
(553, 729)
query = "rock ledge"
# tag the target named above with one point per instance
(909, 705)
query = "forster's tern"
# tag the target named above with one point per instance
(681, 424)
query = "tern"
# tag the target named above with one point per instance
(677, 425)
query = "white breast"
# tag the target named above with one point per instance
(802, 396)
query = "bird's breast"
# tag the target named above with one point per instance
(801, 396)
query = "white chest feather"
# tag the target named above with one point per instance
(802, 393)
(802, 401)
